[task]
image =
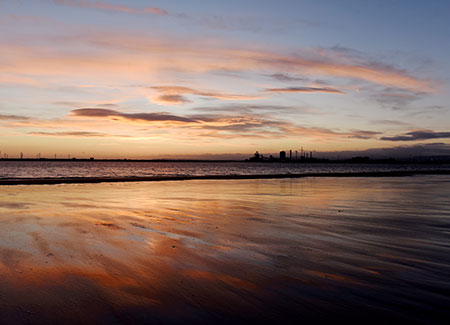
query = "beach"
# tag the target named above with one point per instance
(220, 162)
(201, 251)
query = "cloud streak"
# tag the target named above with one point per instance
(174, 94)
(286, 77)
(364, 135)
(404, 151)
(225, 126)
(102, 5)
(114, 55)
(246, 122)
(252, 108)
(418, 135)
(389, 122)
(13, 117)
(394, 97)
(305, 90)
(148, 117)
(77, 134)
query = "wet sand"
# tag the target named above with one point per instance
(202, 251)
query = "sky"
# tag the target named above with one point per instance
(206, 79)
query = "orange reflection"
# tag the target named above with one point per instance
(226, 248)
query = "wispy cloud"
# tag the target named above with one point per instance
(394, 97)
(102, 5)
(170, 99)
(112, 55)
(389, 122)
(418, 135)
(225, 125)
(286, 77)
(247, 122)
(252, 108)
(266, 126)
(346, 68)
(404, 151)
(364, 135)
(174, 94)
(149, 117)
(305, 90)
(13, 117)
(77, 134)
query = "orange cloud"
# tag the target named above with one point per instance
(140, 59)
(174, 95)
(108, 123)
(77, 134)
(328, 67)
(148, 117)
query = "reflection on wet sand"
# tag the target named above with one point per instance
(203, 251)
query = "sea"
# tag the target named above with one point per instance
(107, 169)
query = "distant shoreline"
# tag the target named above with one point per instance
(355, 160)
(92, 180)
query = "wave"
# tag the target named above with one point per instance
(80, 180)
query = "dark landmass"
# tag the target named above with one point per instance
(308, 158)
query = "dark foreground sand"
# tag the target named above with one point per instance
(227, 251)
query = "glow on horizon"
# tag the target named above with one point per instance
(145, 79)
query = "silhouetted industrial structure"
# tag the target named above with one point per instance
(283, 157)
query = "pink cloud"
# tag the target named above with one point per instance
(174, 95)
(139, 58)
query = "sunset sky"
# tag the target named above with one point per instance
(151, 79)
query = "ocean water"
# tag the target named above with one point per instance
(61, 169)
(362, 250)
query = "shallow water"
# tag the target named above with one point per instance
(60, 169)
(288, 250)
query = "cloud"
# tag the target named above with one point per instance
(265, 126)
(286, 77)
(174, 95)
(394, 97)
(418, 135)
(149, 117)
(250, 109)
(345, 68)
(108, 105)
(172, 99)
(76, 134)
(13, 117)
(389, 122)
(426, 149)
(361, 134)
(69, 103)
(427, 111)
(305, 90)
(101, 5)
(138, 57)
(229, 125)
(239, 122)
